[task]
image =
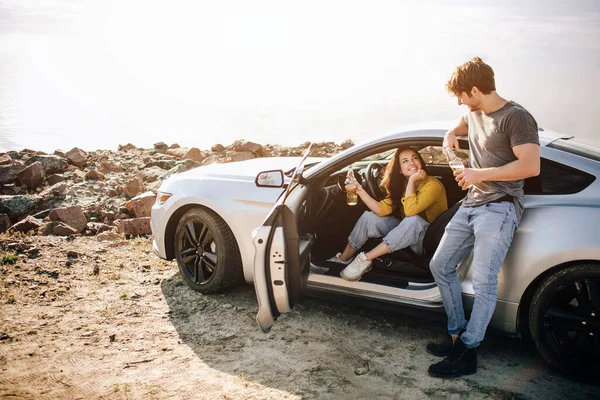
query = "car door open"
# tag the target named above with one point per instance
(281, 260)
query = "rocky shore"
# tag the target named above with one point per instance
(104, 192)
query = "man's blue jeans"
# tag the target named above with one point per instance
(488, 230)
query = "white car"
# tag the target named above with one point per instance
(229, 223)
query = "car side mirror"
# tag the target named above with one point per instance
(272, 178)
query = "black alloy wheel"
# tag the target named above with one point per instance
(565, 321)
(206, 252)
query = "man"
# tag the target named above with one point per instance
(504, 149)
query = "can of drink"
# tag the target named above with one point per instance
(351, 196)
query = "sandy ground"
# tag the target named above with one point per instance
(117, 323)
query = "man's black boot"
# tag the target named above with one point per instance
(442, 348)
(461, 361)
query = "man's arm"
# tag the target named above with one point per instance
(461, 129)
(526, 165)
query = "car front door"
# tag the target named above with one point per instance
(281, 260)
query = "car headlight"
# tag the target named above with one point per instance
(162, 197)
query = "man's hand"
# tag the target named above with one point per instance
(450, 140)
(466, 177)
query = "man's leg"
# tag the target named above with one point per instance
(494, 225)
(457, 241)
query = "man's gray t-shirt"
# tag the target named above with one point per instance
(491, 139)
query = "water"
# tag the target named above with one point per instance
(95, 74)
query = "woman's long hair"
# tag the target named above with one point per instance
(394, 182)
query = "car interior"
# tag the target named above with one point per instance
(336, 220)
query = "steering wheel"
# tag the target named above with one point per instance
(373, 177)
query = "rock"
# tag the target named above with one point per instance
(4, 223)
(346, 144)
(151, 174)
(164, 164)
(32, 176)
(127, 147)
(107, 166)
(94, 175)
(135, 226)
(241, 156)
(160, 147)
(27, 224)
(54, 179)
(361, 370)
(52, 164)
(194, 154)
(72, 254)
(8, 173)
(57, 228)
(217, 147)
(244, 145)
(5, 159)
(178, 152)
(58, 189)
(174, 146)
(181, 166)
(72, 216)
(77, 157)
(109, 236)
(141, 205)
(97, 227)
(42, 214)
(17, 206)
(60, 153)
(96, 269)
(133, 187)
(78, 174)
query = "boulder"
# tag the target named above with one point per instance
(72, 216)
(160, 147)
(244, 145)
(32, 176)
(94, 175)
(5, 159)
(109, 236)
(77, 157)
(181, 166)
(346, 144)
(141, 205)
(194, 154)
(27, 224)
(151, 174)
(174, 146)
(164, 164)
(60, 153)
(4, 223)
(8, 173)
(178, 152)
(241, 156)
(134, 226)
(57, 228)
(217, 147)
(97, 227)
(108, 166)
(52, 164)
(133, 187)
(54, 179)
(126, 147)
(17, 206)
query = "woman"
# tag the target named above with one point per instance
(413, 194)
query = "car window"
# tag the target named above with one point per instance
(556, 178)
(433, 155)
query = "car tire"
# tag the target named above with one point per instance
(564, 321)
(206, 252)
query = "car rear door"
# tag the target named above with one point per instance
(281, 260)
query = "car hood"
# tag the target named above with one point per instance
(243, 170)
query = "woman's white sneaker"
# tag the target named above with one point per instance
(336, 259)
(357, 268)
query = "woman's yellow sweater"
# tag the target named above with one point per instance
(429, 201)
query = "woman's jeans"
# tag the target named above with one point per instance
(397, 234)
(488, 230)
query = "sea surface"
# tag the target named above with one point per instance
(95, 74)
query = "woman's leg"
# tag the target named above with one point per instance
(369, 225)
(409, 232)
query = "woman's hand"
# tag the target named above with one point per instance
(352, 180)
(418, 176)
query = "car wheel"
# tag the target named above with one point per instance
(206, 252)
(564, 321)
